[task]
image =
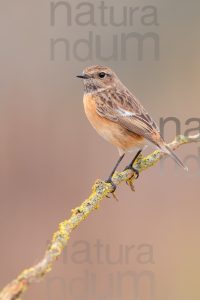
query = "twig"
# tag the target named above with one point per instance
(15, 289)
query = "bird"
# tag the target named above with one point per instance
(119, 117)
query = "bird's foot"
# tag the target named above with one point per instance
(109, 180)
(135, 171)
(129, 182)
(134, 176)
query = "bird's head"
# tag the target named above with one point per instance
(98, 78)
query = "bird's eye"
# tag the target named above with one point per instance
(102, 75)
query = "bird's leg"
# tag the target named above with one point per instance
(130, 166)
(109, 180)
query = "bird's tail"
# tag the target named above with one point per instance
(171, 153)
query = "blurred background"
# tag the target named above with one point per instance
(50, 156)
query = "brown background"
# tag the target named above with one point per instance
(50, 156)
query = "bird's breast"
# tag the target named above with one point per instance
(109, 130)
(103, 126)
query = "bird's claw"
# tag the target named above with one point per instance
(109, 180)
(113, 189)
(135, 171)
(129, 182)
(134, 176)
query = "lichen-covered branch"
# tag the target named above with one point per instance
(100, 190)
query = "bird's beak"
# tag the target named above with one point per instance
(83, 76)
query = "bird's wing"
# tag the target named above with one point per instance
(123, 108)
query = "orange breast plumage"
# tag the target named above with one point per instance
(114, 133)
